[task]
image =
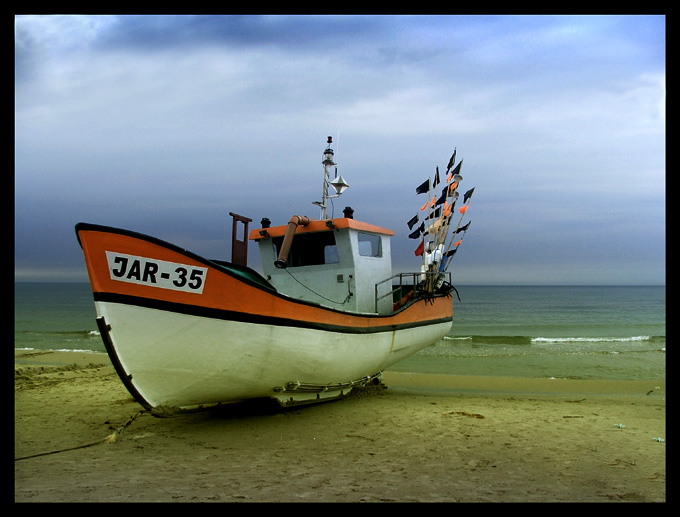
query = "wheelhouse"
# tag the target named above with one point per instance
(333, 262)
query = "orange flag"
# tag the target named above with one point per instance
(462, 209)
(457, 243)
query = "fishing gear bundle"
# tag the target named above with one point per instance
(436, 229)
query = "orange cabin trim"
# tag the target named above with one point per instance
(318, 226)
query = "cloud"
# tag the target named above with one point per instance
(164, 124)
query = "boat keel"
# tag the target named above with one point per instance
(297, 393)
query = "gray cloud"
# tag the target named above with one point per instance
(164, 124)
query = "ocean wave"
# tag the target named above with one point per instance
(594, 339)
(528, 340)
(41, 350)
(491, 340)
(64, 333)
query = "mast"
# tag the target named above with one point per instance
(338, 182)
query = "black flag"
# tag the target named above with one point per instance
(435, 182)
(417, 232)
(463, 228)
(468, 195)
(442, 198)
(413, 221)
(457, 169)
(435, 215)
(451, 161)
(425, 187)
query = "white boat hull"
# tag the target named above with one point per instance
(186, 361)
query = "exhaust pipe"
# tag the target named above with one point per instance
(294, 222)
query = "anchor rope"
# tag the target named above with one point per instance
(109, 439)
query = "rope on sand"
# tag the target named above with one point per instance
(109, 439)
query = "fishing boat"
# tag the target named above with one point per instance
(325, 315)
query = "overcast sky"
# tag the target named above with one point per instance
(165, 124)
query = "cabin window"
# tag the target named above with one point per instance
(370, 245)
(310, 249)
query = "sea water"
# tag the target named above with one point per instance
(55, 316)
(576, 332)
(602, 332)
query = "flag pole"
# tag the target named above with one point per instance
(436, 238)
(429, 192)
(431, 202)
(443, 230)
(464, 210)
(457, 179)
(438, 231)
(422, 236)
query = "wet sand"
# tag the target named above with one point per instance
(80, 437)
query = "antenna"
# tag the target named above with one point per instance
(339, 183)
(337, 147)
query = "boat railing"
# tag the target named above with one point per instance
(409, 286)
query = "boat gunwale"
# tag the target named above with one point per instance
(262, 319)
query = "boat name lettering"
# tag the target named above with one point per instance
(156, 273)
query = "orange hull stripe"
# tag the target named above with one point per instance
(223, 291)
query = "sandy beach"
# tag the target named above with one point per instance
(80, 437)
